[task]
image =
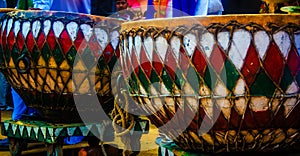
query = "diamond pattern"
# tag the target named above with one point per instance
(274, 70)
(52, 44)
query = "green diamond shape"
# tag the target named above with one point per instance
(133, 84)
(179, 79)
(167, 80)
(262, 86)
(88, 58)
(143, 79)
(35, 54)
(210, 77)
(229, 75)
(112, 62)
(193, 79)
(58, 55)
(287, 79)
(71, 55)
(46, 52)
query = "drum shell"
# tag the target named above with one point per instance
(52, 57)
(236, 75)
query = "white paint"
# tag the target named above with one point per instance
(102, 37)
(130, 45)
(25, 28)
(9, 25)
(223, 39)
(297, 41)
(161, 47)
(87, 31)
(289, 105)
(261, 41)
(114, 39)
(240, 87)
(148, 43)
(207, 42)
(190, 43)
(36, 27)
(17, 28)
(138, 45)
(72, 29)
(241, 40)
(58, 27)
(283, 42)
(260, 103)
(4, 24)
(293, 88)
(175, 45)
(47, 26)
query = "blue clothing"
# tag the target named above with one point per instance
(2, 3)
(77, 6)
(3, 91)
(189, 8)
(19, 105)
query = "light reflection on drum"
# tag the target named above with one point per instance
(238, 75)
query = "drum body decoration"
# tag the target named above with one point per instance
(50, 58)
(217, 83)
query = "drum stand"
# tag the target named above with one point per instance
(20, 132)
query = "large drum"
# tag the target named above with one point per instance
(217, 83)
(51, 58)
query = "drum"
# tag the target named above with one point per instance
(51, 58)
(217, 83)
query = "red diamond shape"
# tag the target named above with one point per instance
(94, 46)
(293, 61)
(20, 41)
(134, 61)
(108, 52)
(217, 58)
(170, 63)
(184, 61)
(30, 41)
(199, 62)
(41, 41)
(10, 40)
(251, 65)
(145, 63)
(273, 63)
(79, 39)
(51, 40)
(65, 41)
(157, 64)
(4, 40)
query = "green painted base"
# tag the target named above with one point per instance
(50, 133)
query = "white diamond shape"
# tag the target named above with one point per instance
(47, 26)
(189, 42)
(283, 42)
(297, 41)
(207, 42)
(72, 29)
(175, 45)
(241, 40)
(261, 41)
(9, 25)
(161, 47)
(114, 39)
(148, 43)
(17, 28)
(223, 39)
(138, 45)
(36, 26)
(87, 31)
(102, 37)
(25, 29)
(58, 27)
